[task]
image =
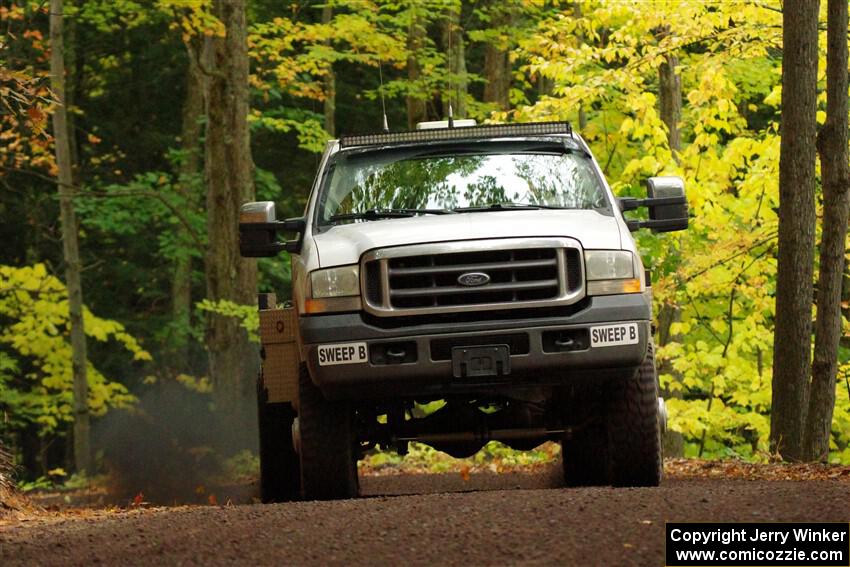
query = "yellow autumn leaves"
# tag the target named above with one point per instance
(34, 310)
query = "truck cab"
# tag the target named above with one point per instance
(489, 267)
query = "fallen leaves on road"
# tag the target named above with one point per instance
(39, 517)
(139, 500)
(17, 510)
(699, 468)
(548, 455)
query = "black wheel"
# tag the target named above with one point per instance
(584, 457)
(634, 440)
(327, 447)
(280, 476)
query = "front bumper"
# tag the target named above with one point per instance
(538, 355)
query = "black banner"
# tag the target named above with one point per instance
(758, 544)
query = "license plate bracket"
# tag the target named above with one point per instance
(481, 361)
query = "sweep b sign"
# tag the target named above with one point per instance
(614, 335)
(343, 353)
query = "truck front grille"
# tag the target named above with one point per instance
(451, 277)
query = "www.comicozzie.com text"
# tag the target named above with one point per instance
(726, 536)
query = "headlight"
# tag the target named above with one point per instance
(611, 272)
(609, 264)
(343, 281)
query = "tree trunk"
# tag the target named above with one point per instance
(456, 57)
(70, 246)
(670, 98)
(74, 69)
(188, 172)
(497, 75)
(416, 104)
(670, 107)
(497, 62)
(793, 327)
(673, 441)
(582, 115)
(832, 147)
(6, 470)
(228, 172)
(329, 83)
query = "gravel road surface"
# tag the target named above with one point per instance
(508, 519)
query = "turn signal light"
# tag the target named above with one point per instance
(613, 287)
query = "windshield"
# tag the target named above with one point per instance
(412, 183)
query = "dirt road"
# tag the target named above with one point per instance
(427, 520)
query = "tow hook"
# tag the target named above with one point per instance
(662, 415)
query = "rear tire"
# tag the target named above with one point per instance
(634, 440)
(280, 477)
(327, 448)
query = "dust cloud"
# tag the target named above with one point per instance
(172, 447)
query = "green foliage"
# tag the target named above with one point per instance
(154, 199)
(58, 480)
(35, 360)
(282, 120)
(494, 456)
(41, 483)
(248, 316)
(243, 464)
(109, 15)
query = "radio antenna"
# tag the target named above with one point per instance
(385, 126)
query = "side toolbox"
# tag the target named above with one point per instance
(279, 337)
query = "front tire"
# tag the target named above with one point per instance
(634, 439)
(327, 447)
(280, 477)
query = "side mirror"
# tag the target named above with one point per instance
(668, 206)
(258, 228)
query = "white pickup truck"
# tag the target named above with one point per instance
(489, 267)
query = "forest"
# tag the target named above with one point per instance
(132, 130)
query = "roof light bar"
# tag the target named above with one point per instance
(449, 134)
(436, 124)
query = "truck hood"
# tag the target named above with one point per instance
(344, 244)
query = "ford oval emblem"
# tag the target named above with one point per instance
(473, 279)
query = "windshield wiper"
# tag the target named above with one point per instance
(376, 214)
(425, 211)
(508, 207)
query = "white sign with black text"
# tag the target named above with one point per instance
(343, 353)
(614, 335)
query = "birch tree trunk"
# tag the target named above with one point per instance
(70, 246)
(832, 147)
(794, 290)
